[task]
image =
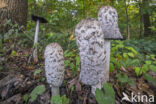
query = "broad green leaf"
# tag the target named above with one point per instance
(26, 97)
(59, 100)
(116, 63)
(13, 53)
(38, 71)
(56, 100)
(72, 66)
(105, 98)
(145, 68)
(65, 100)
(138, 71)
(148, 62)
(66, 63)
(150, 79)
(39, 90)
(122, 78)
(125, 55)
(131, 55)
(100, 96)
(132, 49)
(153, 68)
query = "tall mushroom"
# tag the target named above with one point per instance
(54, 67)
(38, 20)
(108, 19)
(90, 41)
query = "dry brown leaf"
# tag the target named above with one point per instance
(85, 99)
(78, 86)
(118, 89)
(123, 69)
(3, 5)
(30, 68)
(73, 82)
(68, 73)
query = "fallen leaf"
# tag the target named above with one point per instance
(78, 86)
(3, 5)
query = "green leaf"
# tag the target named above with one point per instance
(13, 53)
(132, 49)
(125, 55)
(111, 67)
(138, 71)
(99, 96)
(1, 68)
(145, 68)
(135, 62)
(122, 78)
(77, 60)
(26, 97)
(148, 62)
(65, 100)
(39, 90)
(66, 63)
(105, 98)
(68, 54)
(56, 100)
(131, 55)
(72, 66)
(131, 82)
(38, 71)
(116, 63)
(150, 79)
(59, 100)
(153, 68)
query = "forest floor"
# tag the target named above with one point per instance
(17, 78)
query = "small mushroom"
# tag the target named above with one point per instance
(108, 19)
(37, 19)
(90, 41)
(54, 67)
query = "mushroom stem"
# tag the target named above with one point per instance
(106, 67)
(55, 91)
(35, 57)
(93, 89)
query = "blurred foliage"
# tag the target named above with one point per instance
(63, 15)
(106, 97)
(59, 100)
(138, 55)
(39, 90)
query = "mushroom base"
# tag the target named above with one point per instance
(55, 91)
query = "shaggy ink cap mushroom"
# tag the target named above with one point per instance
(108, 18)
(38, 20)
(90, 41)
(41, 19)
(54, 66)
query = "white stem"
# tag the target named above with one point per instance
(55, 91)
(35, 56)
(106, 68)
(93, 89)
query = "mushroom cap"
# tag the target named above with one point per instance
(108, 18)
(54, 64)
(90, 41)
(41, 19)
